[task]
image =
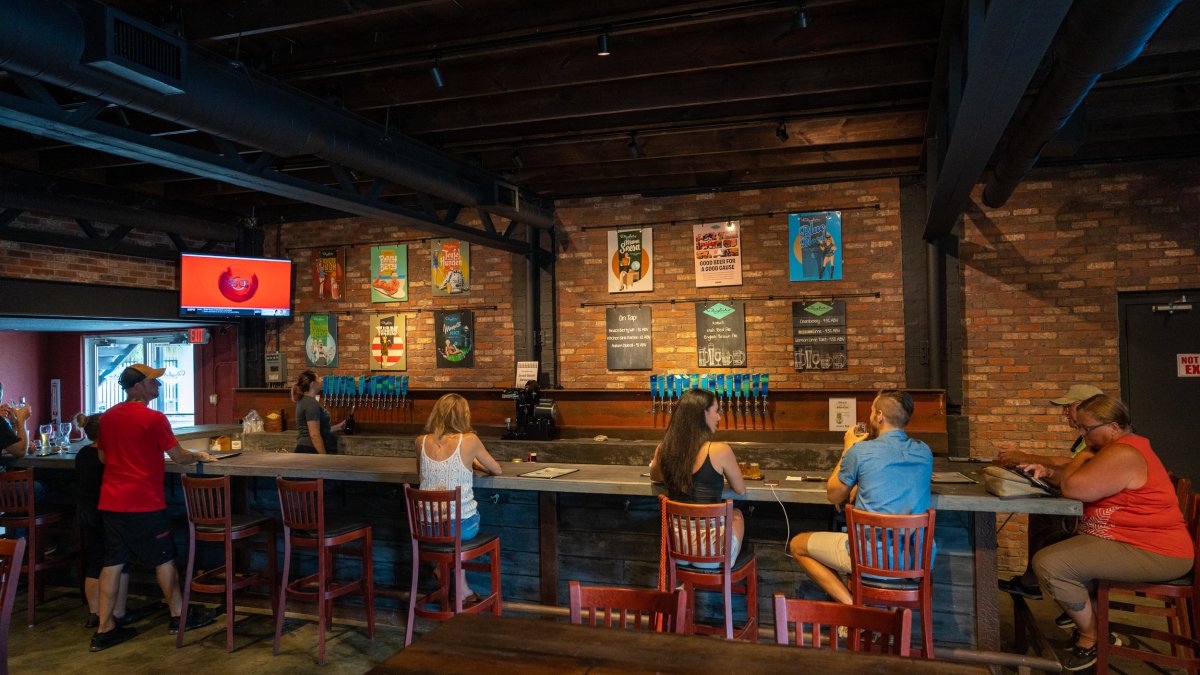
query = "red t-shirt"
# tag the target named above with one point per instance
(134, 438)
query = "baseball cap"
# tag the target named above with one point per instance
(1077, 393)
(138, 372)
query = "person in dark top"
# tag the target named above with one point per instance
(693, 467)
(314, 435)
(89, 471)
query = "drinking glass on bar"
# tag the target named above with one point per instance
(46, 431)
(64, 436)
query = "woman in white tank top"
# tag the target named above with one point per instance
(447, 453)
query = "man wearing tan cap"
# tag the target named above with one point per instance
(133, 438)
(1044, 529)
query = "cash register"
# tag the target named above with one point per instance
(535, 416)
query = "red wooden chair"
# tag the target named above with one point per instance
(699, 533)
(867, 628)
(634, 608)
(211, 519)
(891, 558)
(11, 552)
(302, 503)
(17, 509)
(435, 540)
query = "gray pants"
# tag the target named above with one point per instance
(1067, 570)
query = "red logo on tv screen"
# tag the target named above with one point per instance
(236, 286)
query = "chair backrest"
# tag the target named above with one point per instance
(1183, 492)
(891, 547)
(699, 533)
(869, 628)
(433, 513)
(634, 608)
(302, 503)
(207, 500)
(16, 492)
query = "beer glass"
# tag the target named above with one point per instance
(64, 435)
(46, 431)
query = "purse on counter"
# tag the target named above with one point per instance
(1012, 484)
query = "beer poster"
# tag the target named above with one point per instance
(721, 334)
(819, 335)
(815, 251)
(451, 260)
(630, 260)
(389, 273)
(388, 345)
(320, 341)
(718, 251)
(628, 338)
(454, 337)
(329, 272)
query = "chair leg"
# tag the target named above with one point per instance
(497, 586)
(187, 589)
(412, 596)
(282, 604)
(322, 604)
(1101, 610)
(369, 576)
(230, 579)
(272, 575)
(31, 572)
(927, 628)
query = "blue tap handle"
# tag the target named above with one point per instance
(720, 385)
(765, 382)
(680, 386)
(757, 379)
(670, 385)
(653, 386)
(737, 385)
(695, 381)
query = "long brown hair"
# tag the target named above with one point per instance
(302, 384)
(450, 415)
(687, 432)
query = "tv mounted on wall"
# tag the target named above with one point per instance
(230, 286)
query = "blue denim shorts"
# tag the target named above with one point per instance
(470, 527)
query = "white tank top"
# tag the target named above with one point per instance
(449, 474)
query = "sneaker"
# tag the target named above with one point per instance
(197, 618)
(114, 637)
(1015, 587)
(1065, 622)
(93, 621)
(1079, 658)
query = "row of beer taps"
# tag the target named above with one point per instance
(382, 392)
(741, 393)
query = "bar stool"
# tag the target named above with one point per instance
(10, 570)
(19, 510)
(436, 540)
(210, 518)
(891, 558)
(302, 503)
(698, 534)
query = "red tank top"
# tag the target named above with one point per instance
(1148, 517)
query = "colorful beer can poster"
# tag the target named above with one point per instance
(329, 272)
(451, 260)
(454, 333)
(631, 260)
(819, 335)
(628, 338)
(721, 334)
(320, 341)
(815, 253)
(388, 348)
(718, 251)
(389, 273)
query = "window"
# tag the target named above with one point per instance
(107, 355)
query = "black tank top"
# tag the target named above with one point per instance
(707, 486)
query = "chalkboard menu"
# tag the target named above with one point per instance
(721, 334)
(819, 335)
(627, 337)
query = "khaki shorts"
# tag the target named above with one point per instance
(831, 549)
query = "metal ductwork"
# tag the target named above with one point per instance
(1097, 37)
(48, 41)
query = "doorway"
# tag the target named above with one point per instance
(107, 355)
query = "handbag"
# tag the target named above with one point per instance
(1011, 484)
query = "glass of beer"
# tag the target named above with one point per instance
(46, 431)
(755, 471)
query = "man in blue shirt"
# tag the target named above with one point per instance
(883, 471)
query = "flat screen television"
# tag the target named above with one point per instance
(230, 286)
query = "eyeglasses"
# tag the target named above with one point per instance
(1088, 430)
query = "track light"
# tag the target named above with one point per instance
(516, 159)
(436, 73)
(781, 132)
(634, 150)
(602, 44)
(800, 16)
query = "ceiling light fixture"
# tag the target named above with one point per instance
(602, 44)
(516, 159)
(800, 16)
(781, 132)
(436, 72)
(634, 150)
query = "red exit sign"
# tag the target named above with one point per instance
(198, 336)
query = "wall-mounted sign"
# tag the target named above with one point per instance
(455, 338)
(819, 335)
(1187, 365)
(721, 334)
(816, 246)
(630, 260)
(628, 338)
(388, 345)
(718, 251)
(451, 266)
(329, 274)
(320, 341)
(197, 336)
(389, 273)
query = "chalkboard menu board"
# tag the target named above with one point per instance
(819, 335)
(721, 334)
(627, 337)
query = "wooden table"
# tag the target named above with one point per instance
(472, 644)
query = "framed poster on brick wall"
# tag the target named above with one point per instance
(819, 335)
(718, 251)
(388, 346)
(389, 273)
(321, 340)
(815, 251)
(455, 338)
(450, 261)
(329, 272)
(721, 334)
(630, 267)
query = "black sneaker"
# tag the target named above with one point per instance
(1079, 658)
(102, 641)
(93, 621)
(131, 616)
(197, 618)
(1065, 622)
(1015, 587)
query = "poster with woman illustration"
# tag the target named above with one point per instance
(388, 348)
(454, 338)
(320, 341)
(329, 271)
(451, 261)
(631, 260)
(816, 246)
(389, 273)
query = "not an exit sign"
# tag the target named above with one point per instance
(1187, 365)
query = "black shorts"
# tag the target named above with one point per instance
(91, 527)
(305, 450)
(143, 537)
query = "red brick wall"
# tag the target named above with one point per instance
(871, 252)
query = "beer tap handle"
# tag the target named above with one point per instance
(395, 392)
(720, 392)
(765, 385)
(746, 392)
(404, 391)
(670, 393)
(755, 389)
(653, 383)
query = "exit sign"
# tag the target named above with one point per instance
(198, 336)
(1187, 365)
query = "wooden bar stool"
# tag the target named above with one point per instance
(436, 540)
(19, 510)
(891, 559)
(632, 608)
(699, 534)
(11, 552)
(302, 503)
(867, 628)
(210, 518)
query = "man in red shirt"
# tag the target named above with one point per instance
(133, 438)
